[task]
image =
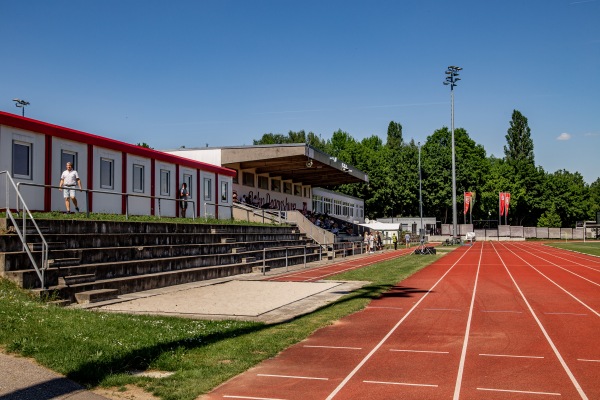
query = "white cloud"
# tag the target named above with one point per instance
(592, 134)
(564, 136)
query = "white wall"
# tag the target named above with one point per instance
(33, 195)
(207, 203)
(167, 208)
(107, 203)
(209, 156)
(138, 205)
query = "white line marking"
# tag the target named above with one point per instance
(294, 377)
(463, 354)
(401, 383)
(250, 398)
(386, 337)
(422, 351)
(335, 347)
(508, 355)
(502, 311)
(583, 359)
(563, 313)
(519, 391)
(387, 308)
(541, 326)
(442, 309)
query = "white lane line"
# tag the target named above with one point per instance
(541, 326)
(463, 354)
(293, 377)
(387, 336)
(564, 313)
(421, 351)
(583, 359)
(401, 383)
(502, 311)
(442, 309)
(519, 391)
(508, 355)
(334, 347)
(386, 308)
(250, 398)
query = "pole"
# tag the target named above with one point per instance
(454, 211)
(420, 192)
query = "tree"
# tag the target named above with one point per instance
(550, 218)
(145, 145)
(394, 136)
(519, 146)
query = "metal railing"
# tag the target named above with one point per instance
(255, 214)
(22, 232)
(343, 248)
(89, 192)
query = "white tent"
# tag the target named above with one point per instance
(382, 226)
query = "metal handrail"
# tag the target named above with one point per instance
(276, 216)
(127, 196)
(23, 234)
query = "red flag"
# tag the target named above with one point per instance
(502, 203)
(506, 203)
(467, 202)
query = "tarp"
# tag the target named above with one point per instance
(382, 226)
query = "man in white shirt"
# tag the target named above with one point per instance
(69, 180)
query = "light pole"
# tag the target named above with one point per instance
(21, 104)
(451, 79)
(422, 233)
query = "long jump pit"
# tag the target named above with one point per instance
(248, 300)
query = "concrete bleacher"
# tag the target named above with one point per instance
(94, 260)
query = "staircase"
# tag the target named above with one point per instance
(97, 260)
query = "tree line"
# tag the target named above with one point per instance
(538, 198)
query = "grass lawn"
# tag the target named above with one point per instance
(100, 349)
(589, 247)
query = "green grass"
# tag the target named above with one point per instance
(592, 247)
(135, 218)
(98, 349)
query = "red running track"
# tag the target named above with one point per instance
(492, 320)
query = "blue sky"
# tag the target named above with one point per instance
(192, 73)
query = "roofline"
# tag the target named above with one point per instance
(28, 124)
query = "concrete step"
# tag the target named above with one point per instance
(262, 269)
(228, 240)
(37, 246)
(63, 262)
(75, 279)
(246, 260)
(94, 296)
(238, 250)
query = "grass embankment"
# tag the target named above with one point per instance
(99, 349)
(592, 247)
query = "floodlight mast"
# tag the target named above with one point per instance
(452, 79)
(21, 104)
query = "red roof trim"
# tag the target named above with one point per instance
(45, 128)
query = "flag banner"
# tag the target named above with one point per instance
(467, 202)
(506, 203)
(501, 203)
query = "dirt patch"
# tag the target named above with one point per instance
(132, 392)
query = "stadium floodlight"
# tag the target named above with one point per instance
(21, 104)
(451, 80)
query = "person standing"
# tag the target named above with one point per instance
(395, 241)
(69, 180)
(407, 239)
(183, 197)
(371, 242)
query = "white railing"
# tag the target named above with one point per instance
(22, 232)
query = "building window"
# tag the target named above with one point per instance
(306, 190)
(165, 182)
(187, 178)
(235, 177)
(263, 182)
(138, 178)
(276, 185)
(224, 192)
(21, 160)
(107, 173)
(297, 190)
(207, 189)
(287, 187)
(248, 178)
(68, 156)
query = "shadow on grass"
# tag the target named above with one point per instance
(94, 372)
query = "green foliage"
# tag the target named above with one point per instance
(550, 218)
(519, 145)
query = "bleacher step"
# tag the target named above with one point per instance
(36, 246)
(64, 262)
(246, 260)
(261, 269)
(238, 250)
(75, 279)
(94, 296)
(227, 240)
